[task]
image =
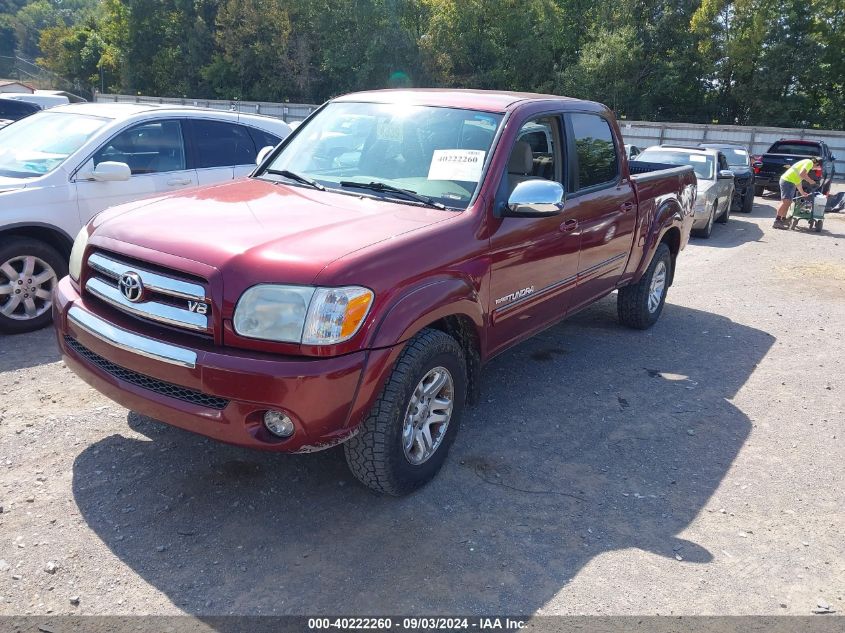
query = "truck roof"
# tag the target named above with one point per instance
(485, 100)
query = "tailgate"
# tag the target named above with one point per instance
(773, 165)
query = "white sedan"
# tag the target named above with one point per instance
(60, 167)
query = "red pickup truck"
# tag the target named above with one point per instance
(352, 288)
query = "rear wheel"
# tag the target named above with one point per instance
(639, 306)
(404, 440)
(29, 272)
(758, 190)
(826, 188)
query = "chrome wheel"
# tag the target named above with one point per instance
(658, 285)
(428, 415)
(26, 285)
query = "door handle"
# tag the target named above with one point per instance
(179, 181)
(627, 207)
(569, 225)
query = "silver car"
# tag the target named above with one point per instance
(715, 181)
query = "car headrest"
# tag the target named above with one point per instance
(521, 160)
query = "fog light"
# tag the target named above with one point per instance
(278, 424)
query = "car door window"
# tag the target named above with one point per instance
(221, 144)
(148, 148)
(263, 139)
(596, 151)
(536, 154)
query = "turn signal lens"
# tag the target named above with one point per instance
(336, 314)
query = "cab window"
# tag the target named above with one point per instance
(596, 151)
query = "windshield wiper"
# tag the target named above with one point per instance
(385, 188)
(297, 177)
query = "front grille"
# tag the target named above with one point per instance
(165, 298)
(147, 382)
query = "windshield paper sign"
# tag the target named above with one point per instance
(463, 165)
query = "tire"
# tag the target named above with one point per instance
(747, 202)
(794, 224)
(27, 304)
(758, 190)
(707, 231)
(826, 188)
(723, 219)
(378, 455)
(818, 227)
(634, 304)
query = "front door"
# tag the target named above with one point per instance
(534, 260)
(155, 153)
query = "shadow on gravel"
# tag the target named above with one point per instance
(737, 231)
(20, 351)
(589, 438)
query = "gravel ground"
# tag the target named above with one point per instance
(692, 469)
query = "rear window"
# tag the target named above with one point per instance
(799, 149)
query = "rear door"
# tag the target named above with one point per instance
(603, 203)
(155, 153)
(220, 150)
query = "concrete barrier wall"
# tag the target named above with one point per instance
(286, 111)
(757, 139)
(640, 133)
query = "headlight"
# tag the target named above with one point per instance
(302, 314)
(75, 265)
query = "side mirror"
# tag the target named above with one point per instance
(263, 154)
(726, 174)
(535, 198)
(832, 157)
(109, 171)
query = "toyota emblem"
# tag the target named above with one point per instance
(131, 286)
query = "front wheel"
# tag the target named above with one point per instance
(404, 440)
(639, 306)
(747, 202)
(723, 219)
(29, 271)
(707, 231)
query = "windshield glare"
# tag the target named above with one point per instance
(436, 152)
(702, 164)
(36, 145)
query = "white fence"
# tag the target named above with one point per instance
(285, 111)
(757, 139)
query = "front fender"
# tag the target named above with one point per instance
(424, 305)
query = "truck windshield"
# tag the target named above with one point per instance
(702, 164)
(36, 145)
(436, 152)
(799, 149)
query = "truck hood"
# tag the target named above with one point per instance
(253, 227)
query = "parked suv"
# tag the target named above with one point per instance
(786, 152)
(739, 162)
(60, 167)
(355, 298)
(715, 181)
